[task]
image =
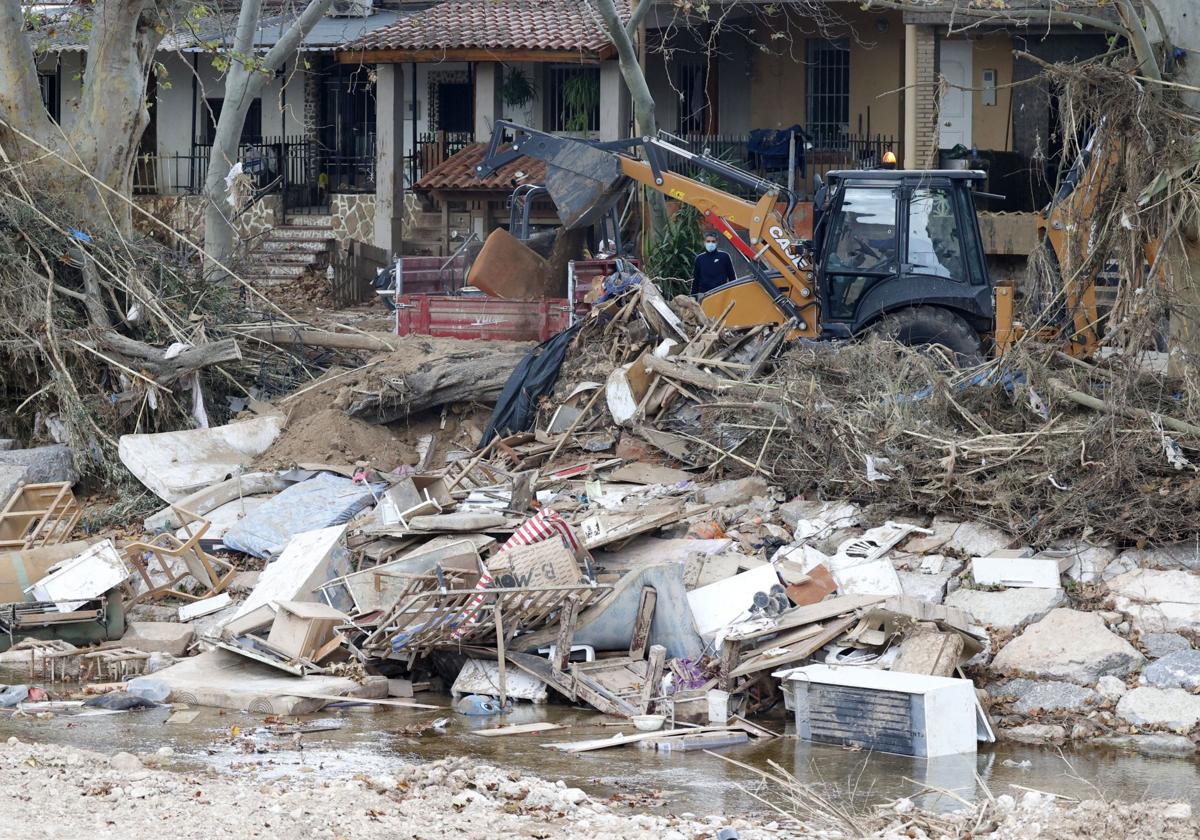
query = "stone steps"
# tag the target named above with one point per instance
(287, 252)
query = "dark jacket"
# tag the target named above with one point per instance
(711, 270)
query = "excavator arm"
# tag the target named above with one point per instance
(584, 178)
(1066, 227)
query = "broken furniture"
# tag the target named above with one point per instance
(112, 664)
(38, 515)
(178, 560)
(99, 620)
(293, 636)
(73, 582)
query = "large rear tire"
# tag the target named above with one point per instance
(932, 326)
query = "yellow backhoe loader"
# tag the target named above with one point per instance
(894, 251)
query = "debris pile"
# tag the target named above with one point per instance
(626, 534)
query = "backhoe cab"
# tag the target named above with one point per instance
(900, 251)
(895, 251)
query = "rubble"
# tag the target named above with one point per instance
(631, 545)
(1068, 645)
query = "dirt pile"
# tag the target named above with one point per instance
(330, 437)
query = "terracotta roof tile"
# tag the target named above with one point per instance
(457, 172)
(542, 25)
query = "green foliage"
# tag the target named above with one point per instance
(517, 90)
(581, 95)
(671, 256)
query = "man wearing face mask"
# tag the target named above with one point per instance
(713, 268)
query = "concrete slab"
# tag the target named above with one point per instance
(158, 637)
(227, 681)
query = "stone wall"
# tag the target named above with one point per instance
(185, 215)
(353, 217)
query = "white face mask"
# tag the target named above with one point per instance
(710, 246)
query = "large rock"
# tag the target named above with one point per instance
(1158, 645)
(1088, 561)
(1111, 688)
(158, 636)
(7, 444)
(1180, 669)
(1158, 601)
(11, 478)
(974, 539)
(1068, 645)
(1034, 696)
(832, 514)
(1007, 609)
(923, 587)
(43, 463)
(1173, 556)
(1172, 708)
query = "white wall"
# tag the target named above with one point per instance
(282, 100)
(70, 83)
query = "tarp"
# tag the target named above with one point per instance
(532, 378)
(320, 502)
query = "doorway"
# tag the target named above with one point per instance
(954, 113)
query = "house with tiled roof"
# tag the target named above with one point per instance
(456, 68)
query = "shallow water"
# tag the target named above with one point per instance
(369, 743)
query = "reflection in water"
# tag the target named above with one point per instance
(686, 782)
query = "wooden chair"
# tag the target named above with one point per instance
(212, 574)
(37, 515)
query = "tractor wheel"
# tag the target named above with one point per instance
(932, 326)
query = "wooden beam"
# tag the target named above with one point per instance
(567, 617)
(641, 627)
(654, 672)
(433, 56)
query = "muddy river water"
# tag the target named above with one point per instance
(370, 741)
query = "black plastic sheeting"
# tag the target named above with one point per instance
(532, 378)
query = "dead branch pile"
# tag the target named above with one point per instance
(1037, 444)
(103, 334)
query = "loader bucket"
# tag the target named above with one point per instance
(583, 182)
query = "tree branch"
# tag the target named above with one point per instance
(1007, 15)
(636, 18)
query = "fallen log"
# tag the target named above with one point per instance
(471, 376)
(151, 362)
(308, 336)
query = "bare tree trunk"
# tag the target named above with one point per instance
(244, 83)
(101, 149)
(622, 36)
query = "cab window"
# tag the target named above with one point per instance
(865, 231)
(934, 239)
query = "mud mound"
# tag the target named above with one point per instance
(330, 437)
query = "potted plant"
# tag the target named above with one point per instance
(517, 90)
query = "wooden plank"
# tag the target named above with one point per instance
(641, 626)
(500, 661)
(814, 613)
(654, 672)
(622, 739)
(373, 701)
(566, 632)
(800, 650)
(517, 729)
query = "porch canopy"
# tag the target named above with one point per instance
(490, 30)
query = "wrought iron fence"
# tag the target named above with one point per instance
(433, 148)
(852, 152)
(301, 169)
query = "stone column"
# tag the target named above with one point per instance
(614, 103)
(487, 99)
(389, 157)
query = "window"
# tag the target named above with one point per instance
(827, 92)
(572, 98)
(691, 82)
(49, 85)
(251, 128)
(934, 244)
(862, 252)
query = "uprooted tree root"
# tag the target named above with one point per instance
(1009, 443)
